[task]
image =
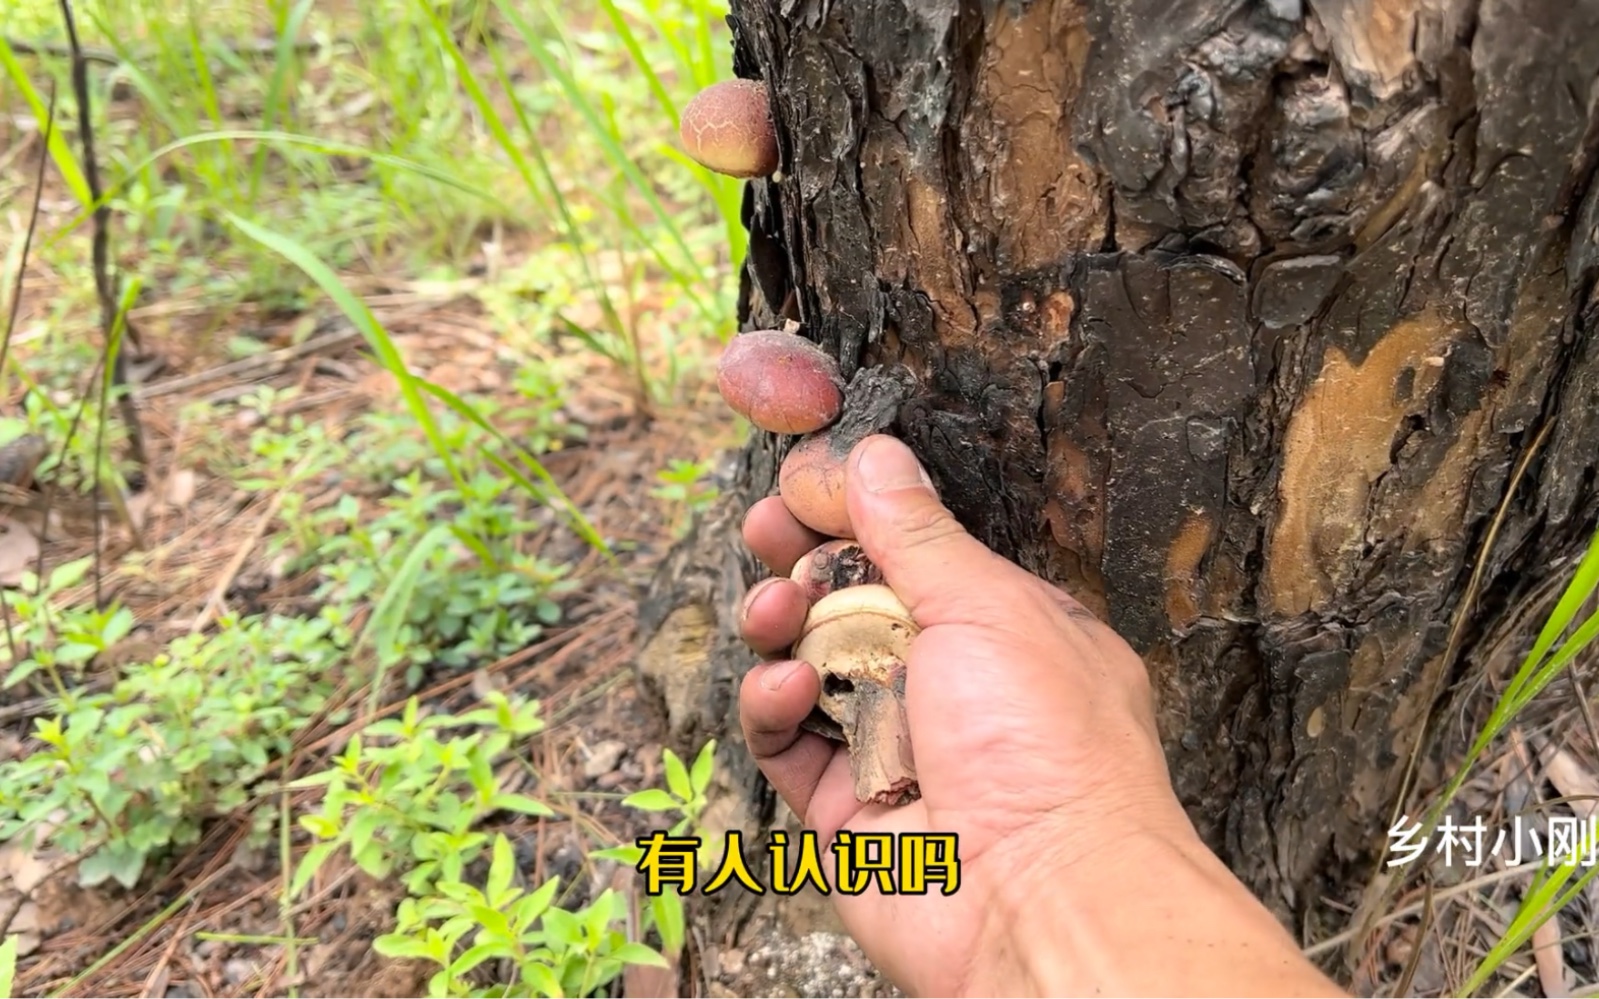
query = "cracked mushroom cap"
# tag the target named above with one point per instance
(727, 127)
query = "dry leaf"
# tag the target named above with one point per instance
(139, 509)
(23, 869)
(1551, 962)
(180, 488)
(1573, 780)
(19, 551)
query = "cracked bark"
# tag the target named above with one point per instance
(1232, 317)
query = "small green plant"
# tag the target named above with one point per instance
(552, 952)
(685, 789)
(45, 636)
(687, 483)
(471, 602)
(407, 796)
(684, 796)
(407, 802)
(122, 775)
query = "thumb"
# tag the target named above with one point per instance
(918, 544)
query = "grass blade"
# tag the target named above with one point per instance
(411, 386)
(608, 141)
(388, 617)
(328, 146)
(60, 150)
(288, 31)
(376, 336)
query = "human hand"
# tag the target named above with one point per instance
(1032, 723)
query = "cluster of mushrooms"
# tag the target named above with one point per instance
(857, 633)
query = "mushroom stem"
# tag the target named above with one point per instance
(879, 737)
(858, 640)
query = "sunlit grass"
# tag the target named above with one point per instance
(336, 122)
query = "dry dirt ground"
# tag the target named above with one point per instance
(188, 930)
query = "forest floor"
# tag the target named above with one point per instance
(384, 279)
(208, 920)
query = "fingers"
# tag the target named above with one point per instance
(942, 573)
(772, 616)
(775, 537)
(773, 699)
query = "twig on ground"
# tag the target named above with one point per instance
(103, 281)
(218, 599)
(106, 57)
(1548, 958)
(259, 364)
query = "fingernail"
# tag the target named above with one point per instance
(886, 464)
(774, 675)
(750, 597)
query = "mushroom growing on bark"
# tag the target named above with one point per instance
(727, 127)
(858, 639)
(780, 381)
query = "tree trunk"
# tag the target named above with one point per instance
(1235, 318)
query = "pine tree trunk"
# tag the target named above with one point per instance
(1236, 318)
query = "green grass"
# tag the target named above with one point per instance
(395, 138)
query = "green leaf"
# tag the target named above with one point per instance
(362, 826)
(677, 776)
(399, 945)
(563, 927)
(539, 975)
(8, 964)
(704, 764)
(492, 920)
(598, 916)
(118, 859)
(501, 870)
(69, 574)
(317, 780)
(651, 800)
(307, 868)
(477, 955)
(629, 855)
(667, 909)
(637, 953)
(530, 907)
(521, 804)
(374, 860)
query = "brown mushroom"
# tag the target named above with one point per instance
(833, 566)
(811, 482)
(858, 640)
(727, 127)
(780, 381)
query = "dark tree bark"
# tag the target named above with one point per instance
(1235, 318)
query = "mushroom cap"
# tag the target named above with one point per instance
(781, 382)
(858, 640)
(834, 565)
(811, 482)
(859, 632)
(727, 127)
